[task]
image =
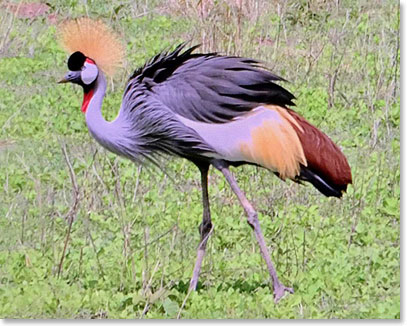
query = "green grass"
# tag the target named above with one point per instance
(133, 241)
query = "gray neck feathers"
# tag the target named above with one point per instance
(110, 134)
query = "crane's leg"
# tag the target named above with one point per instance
(205, 228)
(252, 219)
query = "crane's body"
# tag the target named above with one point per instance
(212, 110)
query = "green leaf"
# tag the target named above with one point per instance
(170, 307)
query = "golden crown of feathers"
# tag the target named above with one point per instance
(95, 40)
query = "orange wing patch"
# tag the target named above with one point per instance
(275, 145)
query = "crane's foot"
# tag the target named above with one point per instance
(280, 290)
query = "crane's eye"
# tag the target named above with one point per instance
(89, 72)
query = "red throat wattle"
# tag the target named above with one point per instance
(86, 99)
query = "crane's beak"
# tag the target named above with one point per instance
(63, 81)
(71, 77)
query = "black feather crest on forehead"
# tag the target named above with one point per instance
(76, 61)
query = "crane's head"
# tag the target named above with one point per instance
(93, 48)
(82, 71)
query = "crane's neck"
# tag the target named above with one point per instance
(92, 104)
(108, 134)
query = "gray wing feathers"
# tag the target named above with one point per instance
(217, 89)
(200, 87)
(155, 130)
(208, 87)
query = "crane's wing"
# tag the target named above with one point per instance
(208, 87)
(207, 105)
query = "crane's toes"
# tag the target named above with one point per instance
(279, 291)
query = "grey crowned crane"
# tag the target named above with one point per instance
(209, 109)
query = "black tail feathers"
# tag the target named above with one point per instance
(325, 188)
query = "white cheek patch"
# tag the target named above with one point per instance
(89, 73)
